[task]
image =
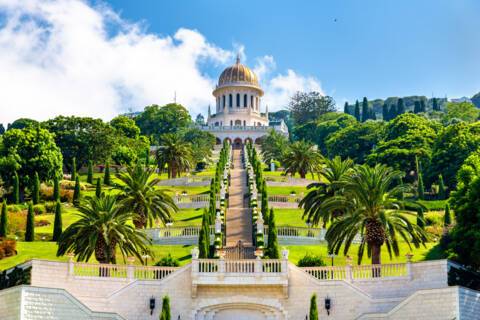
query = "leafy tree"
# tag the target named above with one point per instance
(125, 126)
(3, 220)
(83, 138)
(98, 188)
(313, 314)
(106, 176)
(355, 141)
(357, 111)
(331, 173)
(175, 154)
(423, 106)
(464, 111)
(406, 137)
(90, 172)
(442, 192)
(155, 121)
(124, 155)
(400, 107)
(273, 146)
(57, 223)
(318, 132)
(22, 123)
(30, 227)
(165, 313)
(56, 188)
(76, 191)
(435, 105)
(103, 227)
(392, 113)
(16, 189)
(29, 150)
(417, 108)
(36, 189)
(73, 176)
(308, 106)
(140, 196)
(272, 251)
(447, 218)
(301, 157)
(420, 186)
(465, 200)
(372, 209)
(450, 149)
(202, 143)
(365, 110)
(2, 129)
(200, 120)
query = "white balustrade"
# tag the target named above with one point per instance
(358, 273)
(121, 271)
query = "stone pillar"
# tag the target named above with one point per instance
(195, 253)
(348, 270)
(409, 266)
(285, 261)
(130, 268)
(258, 268)
(71, 264)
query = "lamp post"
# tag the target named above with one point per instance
(332, 256)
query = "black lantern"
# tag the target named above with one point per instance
(152, 305)
(328, 305)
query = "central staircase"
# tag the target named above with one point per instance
(239, 216)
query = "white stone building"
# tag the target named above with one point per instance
(237, 114)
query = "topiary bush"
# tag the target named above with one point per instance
(310, 260)
(168, 261)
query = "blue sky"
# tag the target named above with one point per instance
(99, 59)
(376, 48)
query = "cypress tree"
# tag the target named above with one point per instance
(365, 112)
(373, 115)
(442, 193)
(435, 106)
(272, 237)
(313, 315)
(385, 113)
(345, 108)
(3, 220)
(98, 188)
(423, 107)
(420, 218)
(165, 314)
(357, 110)
(90, 172)
(417, 107)
(400, 107)
(30, 227)
(106, 177)
(392, 113)
(76, 192)
(447, 218)
(57, 224)
(36, 189)
(56, 188)
(264, 202)
(16, 189)
(204, 237)
(74, 169)
(420, 186)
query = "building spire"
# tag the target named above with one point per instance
(209, 112)
(238, 57)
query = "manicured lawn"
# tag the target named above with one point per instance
(188, 217)
(289, 217)
(286, 190)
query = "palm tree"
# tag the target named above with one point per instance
(174, 153)
(332, 172)
(301, 157)
(140, 196)
(373, 211)
(101, 228)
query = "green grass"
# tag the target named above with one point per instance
(289, 217)
(434, 205)
(286, 190)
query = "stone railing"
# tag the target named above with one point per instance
(191, 181)
(301, 235)
(236, 128)
(193, 201)
(129, 272)
(177, 235)
(282, 201)
(363, 272)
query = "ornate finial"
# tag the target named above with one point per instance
(209, 111)
(238, 57)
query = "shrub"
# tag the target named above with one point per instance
(310, 260)
(313, 315)
(50, 206)
(30, 224)
(165, 314)
(39, 209)
(8, 248)
(168, 261)
(42, 223)
(3, 220)
(36, 189)
(57, 224)
(16, 221)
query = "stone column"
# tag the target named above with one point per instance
(71, 264)
(130, 268)
(348, 270)
(409, 265)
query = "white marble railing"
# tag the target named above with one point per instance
(187, 181)
(236, 128)
(175, 232)
(363, 272)
(193, 201)
(130, 272)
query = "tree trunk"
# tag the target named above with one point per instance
(140, 220)
(376, 271)
(303, 174)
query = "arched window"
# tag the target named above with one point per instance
(223, 102)
(216, 124)
(244, 123)
(251, 102)
(230, 100)
(256, 103)
(238, 100)
(245, 100)
(238, 122)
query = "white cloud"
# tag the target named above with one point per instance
(66, 57)
(279, 89)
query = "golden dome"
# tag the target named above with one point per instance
(238, 73)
